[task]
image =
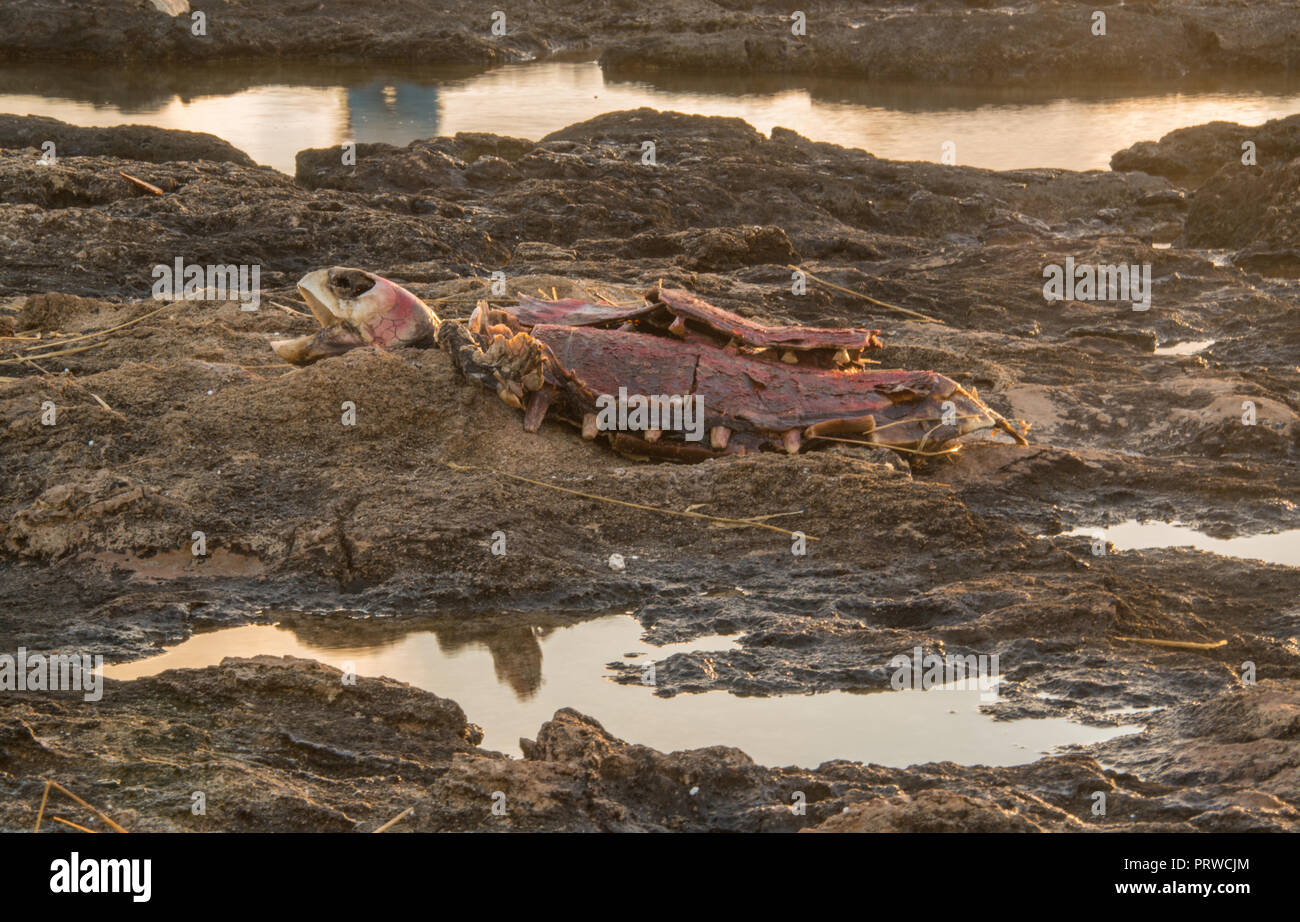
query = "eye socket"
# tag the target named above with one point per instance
(351, 283)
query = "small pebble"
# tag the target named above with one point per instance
(616, 562)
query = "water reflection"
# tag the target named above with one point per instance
(392, 112)
(274, 111)
(516, 654)
(1190, 347)
(513, 644)
(511, 674)
(1281, 547)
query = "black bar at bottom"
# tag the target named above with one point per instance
(302, 872)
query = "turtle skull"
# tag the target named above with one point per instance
(357, 308)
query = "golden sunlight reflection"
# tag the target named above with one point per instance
(1281, 547)
(509, 681)
(269, 123)
(994, 129)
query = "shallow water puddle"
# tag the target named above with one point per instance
(279, 113)
(510, 681)
(1190, 347)
(1281, 547)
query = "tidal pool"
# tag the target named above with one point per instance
(510, 680)
(272, 112)
(1282, 547)
(1189, 347)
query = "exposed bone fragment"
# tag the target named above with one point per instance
(538, 402)
(855, 425)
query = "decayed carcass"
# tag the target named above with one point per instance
(673, 377)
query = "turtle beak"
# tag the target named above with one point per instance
(304, 350)
(357, 308)
(315, 290)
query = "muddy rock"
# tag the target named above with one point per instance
(1190, 156)
(175, 417)
(286, 745)
(210, 214)
(950, 41)
(1254, 211)
(1243, 742)
(129, 142)
(420, 166)
(136, 31)
(317, 726)
(928, 811)
(419, 208)
(53, 311)
(589, 181)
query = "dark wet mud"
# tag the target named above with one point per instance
(178, 418)
(945, 41)
(281, 744)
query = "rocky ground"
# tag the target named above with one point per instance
(276, 744)
(176, 417)
(937, 41)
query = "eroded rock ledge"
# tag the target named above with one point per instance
(278, 744)
(941, 41)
